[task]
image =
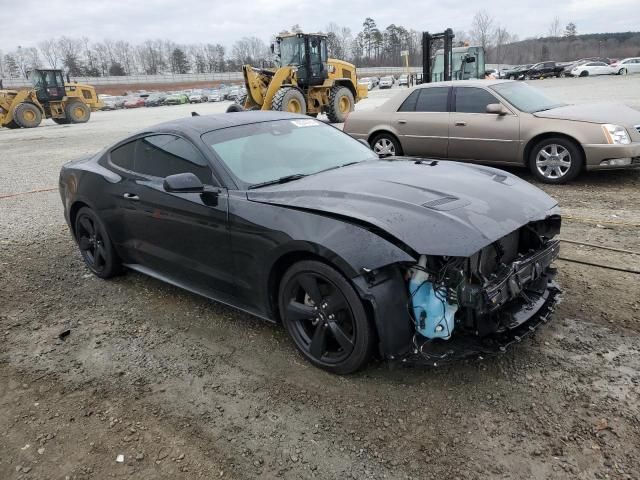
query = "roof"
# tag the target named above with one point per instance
(471, 83)
(206, 123)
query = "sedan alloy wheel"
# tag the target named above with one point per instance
(553, 161)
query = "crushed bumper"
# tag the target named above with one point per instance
(435, 353)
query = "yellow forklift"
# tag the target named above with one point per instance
(51, 98)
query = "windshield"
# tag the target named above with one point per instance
(525, 97)
(268, 151)
(290, 51)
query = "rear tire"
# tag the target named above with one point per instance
(555, 160)
(27, 115)
(95, 245)
(341, 103)
(77, 112)
(289, 99)
(325, 317)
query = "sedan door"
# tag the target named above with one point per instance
(478, 135)
(422, 122)
(182, 236)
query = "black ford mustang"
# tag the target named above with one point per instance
(293, 221)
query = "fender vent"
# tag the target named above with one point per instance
(439, 201)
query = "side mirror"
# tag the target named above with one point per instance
(496, 109)
(470, 59)
(183, 182)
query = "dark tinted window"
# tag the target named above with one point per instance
(409, 105)
(473, 100)
(123, 155)
(164, 155)
(432, 100)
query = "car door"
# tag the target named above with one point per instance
(475, 134)
(182, 236)
(422, 122)
(633, 65)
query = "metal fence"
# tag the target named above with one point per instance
(196, 77)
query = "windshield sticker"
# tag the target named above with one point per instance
(305, 123)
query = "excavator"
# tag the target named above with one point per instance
(51, 97)
(306, 80)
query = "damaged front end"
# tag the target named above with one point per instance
(475, 306)
(483, 303)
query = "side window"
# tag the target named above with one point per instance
(433, 99)
(473, 100)
(409, 105)
(164, 155)
(123, 155)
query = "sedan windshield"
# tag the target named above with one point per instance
(525, 98)
(266, 152)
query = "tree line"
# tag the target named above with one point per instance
(372, 46)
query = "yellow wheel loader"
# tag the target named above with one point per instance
(306, 80)
(50, 97)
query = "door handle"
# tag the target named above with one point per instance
(131, 196)
(402, 121)
(461, 124)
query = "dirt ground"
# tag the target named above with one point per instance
(187, 388)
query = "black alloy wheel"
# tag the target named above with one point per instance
(95, 245)
(325, 317)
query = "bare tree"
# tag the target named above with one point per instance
(555, 29)
(50, 52)
(482, 29)
(250, 50)
(502, 40)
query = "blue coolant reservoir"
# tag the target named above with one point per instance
(433, 315)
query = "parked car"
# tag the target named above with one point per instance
(517, 73)
(592, 68)
(120, 101)
(386, 82)
(233, 93)
(216, 96)
(368, 81)
(403, 80)
(570, 66)
(176, 99)
(269, 212)
(543, 70)
(626, 66)
(502, 122)
(155, 100)
(110, 103)
(135, 102)
(491, 73)
(198, 97)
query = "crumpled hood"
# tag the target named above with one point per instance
(603, 112)
(436, 208)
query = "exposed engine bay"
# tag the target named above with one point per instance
(497, 290)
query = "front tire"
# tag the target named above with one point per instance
(95, 245)
(622, 71)
(289, 99)
(325, 318)
(584, 73)
(27, 115)
(341, 103)
(385, 145)
(555, 160)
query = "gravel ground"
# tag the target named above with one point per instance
(186, 388)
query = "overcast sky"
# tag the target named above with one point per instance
(26, 22)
